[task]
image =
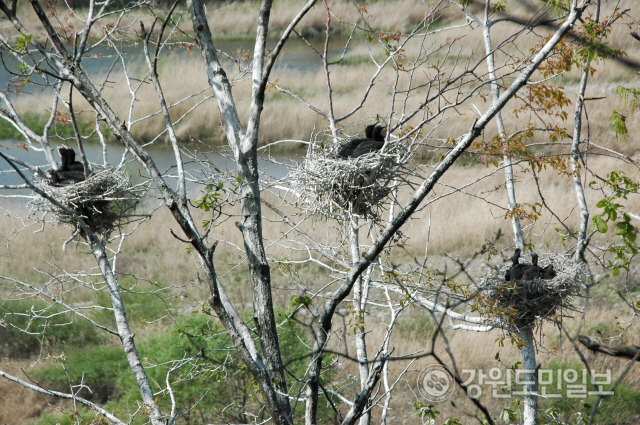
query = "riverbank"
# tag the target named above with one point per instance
(298, 84)
(234, 20)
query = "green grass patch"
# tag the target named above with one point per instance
(97, 367)
(213, 385)
(566, 405)
(62, 130)
(30, 324)
(416, 322)
(351, 60)
(145, 302)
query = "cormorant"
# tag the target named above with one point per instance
(531, 272)
(548, 272)
(374, 141)
(517, 270)
(70, 171)
(534, 271)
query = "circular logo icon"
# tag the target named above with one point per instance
(435, 383)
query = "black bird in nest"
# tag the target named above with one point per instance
(534, 271)
(374, 141)
(70, 171)
(517, 270)
(528, 271)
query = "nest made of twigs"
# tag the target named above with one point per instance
(524, 301)
(331, 185)
(104, 200)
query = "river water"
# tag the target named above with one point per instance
(295, 56)
(273, 168)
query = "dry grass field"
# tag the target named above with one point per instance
(285, 118)
(153, 254)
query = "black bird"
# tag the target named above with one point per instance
(515, 259)
(533, 271)
(70, 170)
(548, 272)
(374, 141)
(517, 270)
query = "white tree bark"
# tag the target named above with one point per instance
(125, 333)
(530, 402)
(506, 159)
(576, 167)
(359, 306)
(528, 351)
(245, 147)
(583, 240)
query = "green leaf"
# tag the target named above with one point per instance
(304, 301)
(628, 231)
(499, 6)
(22, 42)
(600, 224)
(508, 416)
(619, 124)
(621, 229)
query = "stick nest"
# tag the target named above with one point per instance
(330, 185)
(522, 302)
(105, 199)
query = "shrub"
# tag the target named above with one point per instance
(207, 372)
(98, 368)
(30, 323)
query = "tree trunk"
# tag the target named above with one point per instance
(126, 336)
(245, 151)
(582, 243)
(359, 306)
(506, 159)
(575, 167)
(530, 411)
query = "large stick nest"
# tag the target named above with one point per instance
(105, 199)
(332, 186)
(523, 301)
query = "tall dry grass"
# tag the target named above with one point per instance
(285, 118)
(229, 19)
(460, 223)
